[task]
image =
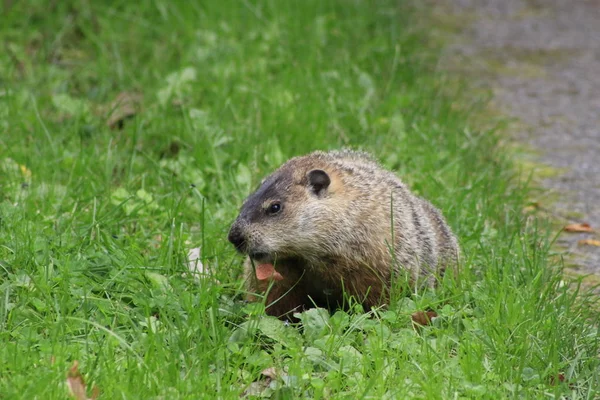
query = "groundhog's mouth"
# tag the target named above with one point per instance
(261, 258)
(270, 258)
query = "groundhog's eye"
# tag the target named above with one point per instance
(274, 208)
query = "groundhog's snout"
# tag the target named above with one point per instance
(236, 237)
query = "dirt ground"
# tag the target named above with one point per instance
(541, 60)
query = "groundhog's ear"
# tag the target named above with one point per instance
(318, 180)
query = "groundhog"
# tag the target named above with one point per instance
(328, 226)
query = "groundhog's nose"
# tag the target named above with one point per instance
(236, 237)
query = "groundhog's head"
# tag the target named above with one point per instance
(289, 216)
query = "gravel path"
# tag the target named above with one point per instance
(542, 61)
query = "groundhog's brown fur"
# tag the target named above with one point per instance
(325, 222)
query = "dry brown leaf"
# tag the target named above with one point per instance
(76, 384)
(423, 317)
(156, 241)
(589, 242)
(125, 106)
(583, 227)
(560, 377)
(531, 207)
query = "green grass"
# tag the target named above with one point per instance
(95, 223)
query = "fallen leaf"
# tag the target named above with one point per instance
(578, 228)
(560, 378)
(589, 242)
(194, 264)
(125, 106)
(26, 172)
(532, 206)
(423, 317)
(196, 269)
(156, 241)
(76, 384)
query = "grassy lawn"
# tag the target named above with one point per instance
(131, 132)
